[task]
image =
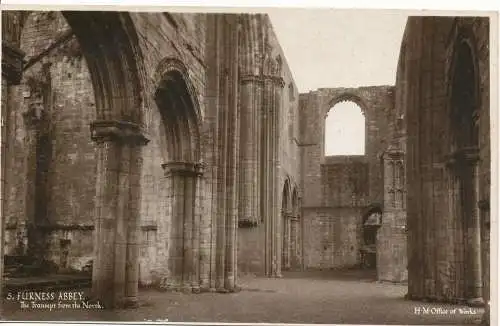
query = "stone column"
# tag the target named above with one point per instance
(250, 100)
(12, 67)
(117, 143)
(475, 282)
(454, 229)
(183, 261)
(268, 191)
(484, 207)
(224, 73)
(175, 172)
(32, 120)
(272, 92)
(264, 186)
(285, 256)
(200, 255)
(294, 238)
(278, 85)
(133, 227)
(233, 158)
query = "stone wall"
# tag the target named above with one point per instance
(164, 36)
(55, 105)
(332, 237)
(69, 103)
(444, 240)
(263, 62)
(341, 182)
(60, 85)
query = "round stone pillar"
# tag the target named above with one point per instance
(184, 258)
(115, 266)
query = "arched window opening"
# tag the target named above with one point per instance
(345, 130)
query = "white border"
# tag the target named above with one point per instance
(420, 7)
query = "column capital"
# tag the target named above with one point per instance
(12, 63)
(249, 78)
(244, 79)
(393, 155)
(117, 131)
(183, 168)
(277, 80)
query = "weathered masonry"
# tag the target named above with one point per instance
(174, 150)
(132, 139)
(443, 86)
(349, 201)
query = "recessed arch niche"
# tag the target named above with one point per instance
(179, 110)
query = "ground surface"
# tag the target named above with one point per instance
(350, 297)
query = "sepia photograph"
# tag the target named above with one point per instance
(261, 165)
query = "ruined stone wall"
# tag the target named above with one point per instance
(320, 175)
(333, 230)
(163, 36)
(443, 255)
(70, 188)
(61, 83)
(391, 236)
(257, 43)
(176, 220)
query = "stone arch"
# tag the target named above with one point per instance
(251, 171)
(347, 97)
(286, 220)
(464, 114)
(180, 112)
(464, 100)
(176, 99)
(295, 231)
(330, 112)
(109, 43)
(260, 93)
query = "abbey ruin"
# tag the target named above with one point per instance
(174, 151)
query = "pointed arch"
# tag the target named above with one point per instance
(110, 45)
(345, 126)
(180, 111)
(464, 91)
(286, 201)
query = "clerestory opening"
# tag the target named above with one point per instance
(344, 130)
